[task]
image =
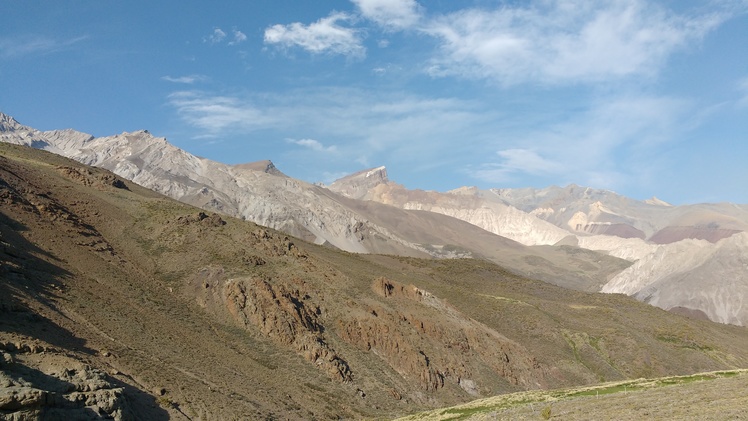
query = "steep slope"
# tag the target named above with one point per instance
(594, 211)
(261, 193)
(670, 266)
(566, 266)
(256, 191)
(170, 311)
(465, 205)
(692, 276)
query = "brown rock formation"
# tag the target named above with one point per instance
(286, 315)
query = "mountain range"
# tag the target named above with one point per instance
(118, 302)
(690, 259)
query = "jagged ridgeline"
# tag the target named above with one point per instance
(688, 259)
(117, 301)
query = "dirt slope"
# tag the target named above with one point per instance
(123, 303)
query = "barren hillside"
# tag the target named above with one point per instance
(117, 301)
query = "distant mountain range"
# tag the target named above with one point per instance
(690, 259)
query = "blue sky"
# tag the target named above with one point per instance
(640, 97)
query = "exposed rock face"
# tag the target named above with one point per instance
(692, 274)
(227, 320)
(494, 217)
(287, 316)
(357, 185)
(581, 209)
(35, 386)
(265, 166)
(257, 191)
(574, 216)
(388, 333)
(87, 177)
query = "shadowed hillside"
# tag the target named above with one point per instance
(150, 308)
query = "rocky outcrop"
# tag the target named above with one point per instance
(214, 220)
(89, 178)
(286, 314)
(692, 274)
(265, 166)
(40, 203)
(36, 385)
(454, 349)
(258, 192)
(358, 185)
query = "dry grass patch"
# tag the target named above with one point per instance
(655, 398)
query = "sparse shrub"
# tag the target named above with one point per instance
(546, 412)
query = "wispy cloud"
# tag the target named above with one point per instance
(545, 42)
(391, 14)
(217, 114)
(314, 145)
(514, 161)
(563, 42)
(215, 37)
(324, 36)
(189, 79)
(612, 143)
(364, 124)
(219, 35)
(608, 141)
(239, 37)
(13, 47)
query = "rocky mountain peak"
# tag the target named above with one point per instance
(358, 184)
(657, 202)
(265, 166)
(8, 123)
(465, 191)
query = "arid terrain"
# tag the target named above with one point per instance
(704, 396)
(117, 301)
(689, 259)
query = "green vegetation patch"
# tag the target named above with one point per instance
(502, 402)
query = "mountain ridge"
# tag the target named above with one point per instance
(566, 231)
(148, 308)
(298, 208)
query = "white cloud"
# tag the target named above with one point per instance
(217, 114)
(25, 45)
(527, 160)
(323, 36)
(616, 141)
(219, 35)
(611, 142)
(313, 145)
(514, 161)
(189, 79)
(239, 37)
(215, 37)
(563, 42)
(392, 14)
(364, 125)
